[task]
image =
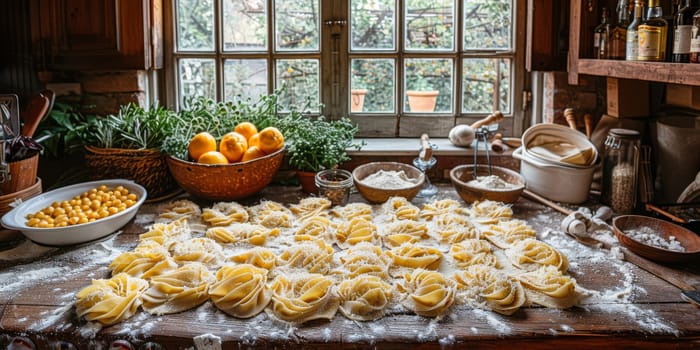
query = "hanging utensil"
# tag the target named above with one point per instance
(4, 166)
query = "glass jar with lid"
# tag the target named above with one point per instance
(334, 184)
(620, 164)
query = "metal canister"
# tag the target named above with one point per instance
(621, 170)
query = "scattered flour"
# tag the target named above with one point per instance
(493, 320)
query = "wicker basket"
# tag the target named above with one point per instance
(147, 167)
(225, 182)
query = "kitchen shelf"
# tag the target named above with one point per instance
(663, 72)
(675, 73)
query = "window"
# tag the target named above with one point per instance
(372, 60)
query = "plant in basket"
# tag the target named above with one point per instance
(127, 145)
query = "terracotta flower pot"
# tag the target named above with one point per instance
(422, 101)
(307, 180)
(357, 99)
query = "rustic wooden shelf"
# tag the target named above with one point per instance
(675, 73)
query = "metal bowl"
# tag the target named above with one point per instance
(688, 239)
(375, 194)
(461, 176)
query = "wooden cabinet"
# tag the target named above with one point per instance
(581, 23)
(96, 34)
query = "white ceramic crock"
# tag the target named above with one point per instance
(561, 132)
(553, 181)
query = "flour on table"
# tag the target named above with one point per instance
(207, 342)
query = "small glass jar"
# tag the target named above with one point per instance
(334, 184)
(620, 170)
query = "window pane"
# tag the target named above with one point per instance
(377, 78)
(429, 25)
(372, 24)
(245, 25)
(299, 81)
(486, 85)
(487, 24)
(245, 79)
(297, 25)
(427, 77)
(195, 25)
(197, 78)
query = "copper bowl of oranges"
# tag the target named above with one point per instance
(236, 167)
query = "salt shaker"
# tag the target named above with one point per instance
(620, 170)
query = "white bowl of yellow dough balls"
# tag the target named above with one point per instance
(77, 213)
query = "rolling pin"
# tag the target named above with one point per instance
(463, 135)
(588, 122)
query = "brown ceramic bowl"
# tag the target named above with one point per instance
(377, 194)
(688, 239)
(461, 175)
(225, 182)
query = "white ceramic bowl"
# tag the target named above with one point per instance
(15, 219)
(554, 181)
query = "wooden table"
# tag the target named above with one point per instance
(628, 308)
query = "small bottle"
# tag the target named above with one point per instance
(652, 34)
(601, 35)
(682, 26)
(632, 49)
(620, 164)
(695, 39)
(618, 33)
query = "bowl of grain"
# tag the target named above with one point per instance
(483, 182)
(657, 239)
(379, 181)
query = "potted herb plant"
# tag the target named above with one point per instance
(316, 144)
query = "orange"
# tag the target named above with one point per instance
(271, 140)
(254, 140)
(252, 153)
(212, 157)
(247, 129)
(232, 146)
(201, 143)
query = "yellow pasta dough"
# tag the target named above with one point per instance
(400, 208)
(488, 211)
(365, 259)
(427, 293)
(415, 257)
(452, 228)
(353, 210)
(200, 249)
(259, 257)
(364, 298)
(312, 256)
(530, 254)
(302, 298)
(486, 287)
(271, 214)
(548, 286)
(178, 290)
(315, 227)
(355, 231)
(240, 290)
(180, 209)
(224, 214)
(143, 263)
(439, 207)
(109, 301)
(506, 233)
(250, 233)
(473, 252)
(399, 232)
(311, 206)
